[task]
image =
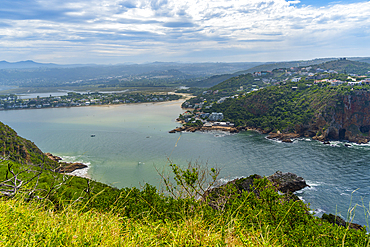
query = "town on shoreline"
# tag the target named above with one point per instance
(73, 99)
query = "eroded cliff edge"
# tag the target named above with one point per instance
(347, 118)
(321, 112)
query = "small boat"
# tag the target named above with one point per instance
(92, 135)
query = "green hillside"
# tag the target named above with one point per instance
(288, 64)
(345, 66)
(16, 148)
(226, 88)
(52, 209)
(279, 107)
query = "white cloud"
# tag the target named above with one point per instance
(172, 30)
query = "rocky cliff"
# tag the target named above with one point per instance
(345, 118)
(322, 112)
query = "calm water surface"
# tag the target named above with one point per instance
(131, 141)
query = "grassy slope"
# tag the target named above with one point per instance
(83, 212)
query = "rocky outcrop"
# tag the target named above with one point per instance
(70, 167)
(217, 197)
(336, 220)
(287, 182)
(204, 128)
(284, 137)
(52, 157)
(284, 182)
(65, 167)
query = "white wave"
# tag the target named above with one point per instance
(274, 140)
(314, 183)
(222, 181)
(301, 198)
(79, 172)
(360, 146)
(312, 186)
(317, 212)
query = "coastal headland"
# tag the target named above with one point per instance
(65, 167)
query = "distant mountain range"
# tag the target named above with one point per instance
(32, 74)
(254, 66)
(29, 64)
(24, 65)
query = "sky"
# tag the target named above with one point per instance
(140, 31)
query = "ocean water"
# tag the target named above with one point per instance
(132, 142)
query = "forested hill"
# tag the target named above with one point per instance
(16, 148)
(333, 112)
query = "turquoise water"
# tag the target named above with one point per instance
(131, 141)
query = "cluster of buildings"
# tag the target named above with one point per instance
(10, 102)
(350, 81)
(204, 117)
(208, 119)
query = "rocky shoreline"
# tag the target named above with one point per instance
(204, 128)
(65, 167)
(286, 183)
(283, 137)
(288, 138)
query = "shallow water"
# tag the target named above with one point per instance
(131, 141)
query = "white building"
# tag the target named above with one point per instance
(297, 79)
(215, 116)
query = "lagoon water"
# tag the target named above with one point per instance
(131, 141)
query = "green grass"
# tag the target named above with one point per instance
(28, 225)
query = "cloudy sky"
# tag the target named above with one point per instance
(118, 31)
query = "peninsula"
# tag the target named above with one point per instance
(325, 105)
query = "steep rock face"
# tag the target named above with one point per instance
(345, 118)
